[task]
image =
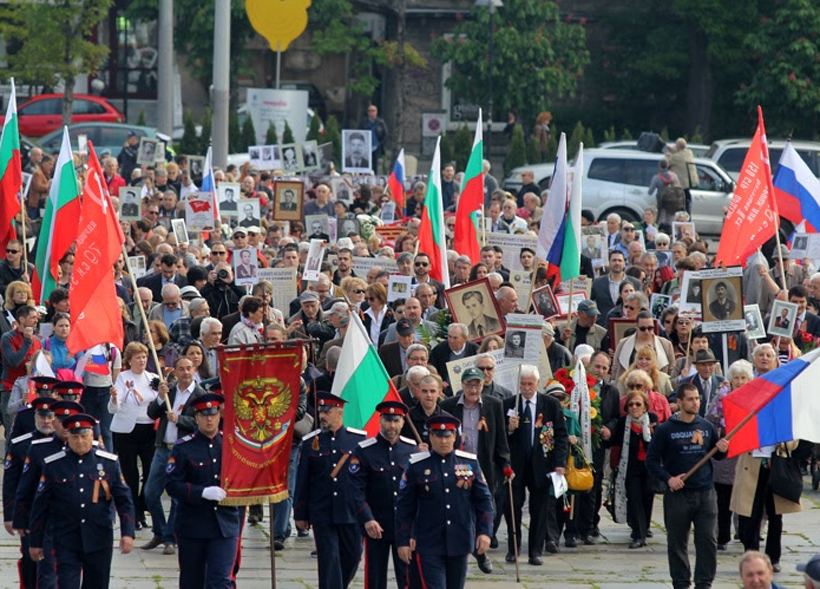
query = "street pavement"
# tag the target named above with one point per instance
(607, 565)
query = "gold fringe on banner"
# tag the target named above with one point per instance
(260, 500)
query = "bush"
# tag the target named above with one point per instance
(248, 135)
(334, 135)
(575, 140)
(314, 132)
(462, 146)
(589, 139)
(287, 135)
(533, 150)
(205, 136)
(552, 144)
(189, 144)
(517, 153)
(445, 149)
(271, 138)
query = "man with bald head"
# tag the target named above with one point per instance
(412, 312)
(171, 308)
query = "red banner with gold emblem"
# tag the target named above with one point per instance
(261, 387)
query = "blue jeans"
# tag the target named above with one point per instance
(281, 510)
(153, 497)
(95, 402)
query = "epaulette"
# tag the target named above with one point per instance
(26, 408)
(42, 441)
(187, 438)
(311, 434)
(105, 454)
(22, 438)
(95, 443)
(353, 430)
(463, 454)
(53, 457)
(367, 442)
(418, 457)
(407, 440)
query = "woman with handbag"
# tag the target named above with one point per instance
(768, 481)
(633, 492)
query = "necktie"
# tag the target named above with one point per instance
(796, 326)
(481, 330)
(527, 429)
(706, 392)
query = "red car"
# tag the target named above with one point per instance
(44, 113)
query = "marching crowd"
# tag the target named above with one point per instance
(457, 455)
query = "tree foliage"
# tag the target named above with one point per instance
(287, 135)
(462, 146)
(536, 56)
(205, 136)
(271, 138)
(334, 135)
(314, 131)
(248, 135)
(517, 154)
(189, 144)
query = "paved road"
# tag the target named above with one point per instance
(608, 565)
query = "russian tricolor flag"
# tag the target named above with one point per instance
(783, 404)
(208, 182)
(396, 182)
(797, 190)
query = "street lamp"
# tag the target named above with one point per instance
(491, 5)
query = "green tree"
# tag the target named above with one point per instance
(462, 146)
(517, 154)
(53, 41)
(205, 136)
(271, 138)
(334, 135)
(626, 135)
(189, 144)
(610, 134)
(528, 36)
(248, 135)
(141, 119)
(575, 140)
(314, 131)
(445, 149)
(552, 144)
(287, 135)
(234, 133)
(533, 150)
(589, 139)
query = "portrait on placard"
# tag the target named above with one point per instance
(681, 230)
(228, 194)
(310, 156)
(159, 152)
(26, 184)
(568, 302)
(287, 199)
(515, 341)
(255, 155)
(147, 151)
(130, 202)
(721, 299)
(137, 265)
(388, 212)
(199, 212)
(348, 227)
(544, 302)
(313, 264)
(754, 322)
(249, 212)
(291, 158)
(781, 321)
(245, 265)
(180, 230)
(474, 304)
(356, 151)
(342, 189)
(325, 153)
(196, 166)
(398, 287)
(316, 227)
(658, 303)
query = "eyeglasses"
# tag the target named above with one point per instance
(425, 264)
(8, 251)
(152, 212)
(635, 403)
(238, 235)
(635, 386)
(219, 253)
(629, 229)
(358, 291)
(646, 328)
(371, 299)
(486, 368)
(173, 305)
(630, 308)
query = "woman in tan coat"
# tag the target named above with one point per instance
(752, 496)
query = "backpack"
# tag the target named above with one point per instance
(671, 198)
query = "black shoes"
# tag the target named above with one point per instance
(571, 543)
(721, 547)
(588, 540)
(535, 561)
(649, 534)
(278, 544)
(494, 542)
(510, 557)
(552, 547)
(484, 564)
(153, 543)
(637, 544)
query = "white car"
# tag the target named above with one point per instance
(730, 154)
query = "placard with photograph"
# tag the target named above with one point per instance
(398, 287)
(522, 340)
(180, 231)
(568, 302)
(781, 321)
(595, 249)
(474, 304)
(130, 202)
(245, 266)
(159, 154)
(287, 199)
(521, 281)
(313, 264)
(310, 155)
(248, 213)
(800, 246)
(325, 158)
(658, 303)
(664, 257)
(579, 284)
(196, 166)
(690, 295)
(316, 227)
(755, 329)
(342, 189)
(504, 373)
(82, 144)
(228, 195)
(332, 229)
(544, 302)
(284, 285)
(26, 184)
(388, 212)
(594, 230)
(199, 211)
(137, 265)
(681, 230)
(511, 246)
(722, 299)
(356, 151)
(347, 227)
(291, 159)
(147, 151)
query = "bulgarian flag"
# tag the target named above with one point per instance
(11, 173)
(431, 230)
(361, 379)
(63, 212)
(465, 240)
(571, 254)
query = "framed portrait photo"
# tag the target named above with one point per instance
(180, 231)
(781, 321)
(681, 230)
(287, 198)
(248, 213)
(228, 195)
(474, 305)
(356, 151)
(147, 152)
(722, 299)
(196, 166)
(292, 159)
(245, 266)
(754, 322)
(568, 302)
(543, 300)
(310, 155)
(130, 202)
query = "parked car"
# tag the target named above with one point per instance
(106, 137)
(617, 181)
(44, 113)
(699, 149)
(730, 154)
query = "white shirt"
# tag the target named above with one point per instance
(171, 432)
(376, 323)
(134, 394)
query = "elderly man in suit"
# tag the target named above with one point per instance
(706, 381)
(483, 433)
(455, 348)
(172, 307)
(394, 354)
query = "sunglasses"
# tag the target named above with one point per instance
(152, 213)
(629, 229)
(634, 403)
(238, 235)
(635, 386)
(646, 328)
(358, 291)
(425, 264)
(8, 251)
(219, 253)
(486, 368)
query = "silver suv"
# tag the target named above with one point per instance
(730, 154)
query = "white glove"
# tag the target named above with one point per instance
(214, 493)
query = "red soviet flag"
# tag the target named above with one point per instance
(92, 296)
(752, 216)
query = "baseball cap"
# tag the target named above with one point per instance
(588, 307)
(404, 327)
(472, 374)
(189, 292)
(811, 568)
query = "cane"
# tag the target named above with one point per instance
(515, 540)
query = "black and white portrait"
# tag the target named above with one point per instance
(754, 322)
(325, 158)
(228, 194)
(356, 151)
(474, 305)
(180, 231)
(147, 153)
(781, 321)
(249, 212)
(290, 158)
(544, 301)
(514, 343)
(348, 227)
(129, 203)
(245, 266)
(317, 227)
(310, 157)
(722, 301)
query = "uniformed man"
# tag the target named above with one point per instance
(377, 465)
(32, 469)
(325, 494)
(24, 420)
(74, 500)
(444, 508)
(207, 533)
(13, 470)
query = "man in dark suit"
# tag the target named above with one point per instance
(605, 288)
(804, 321)
(455, 348)
(539, 445)
(706, 381)
(723, 305)
(168, 274)
(394, 354)
(482, 432)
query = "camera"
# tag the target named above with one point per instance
(223, 274)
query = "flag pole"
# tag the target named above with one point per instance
(23, 239)
(483, 228)
(714, 450)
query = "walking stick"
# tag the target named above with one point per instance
(515, 540)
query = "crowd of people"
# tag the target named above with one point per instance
(658, 383)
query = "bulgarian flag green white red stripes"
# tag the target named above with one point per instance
(431, 230)
(465, 239)
(11, 173)
(361, 379)
(571, 256)
(60, 221)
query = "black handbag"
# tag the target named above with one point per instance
(785, 477)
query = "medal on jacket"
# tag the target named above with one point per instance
(464, 473)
